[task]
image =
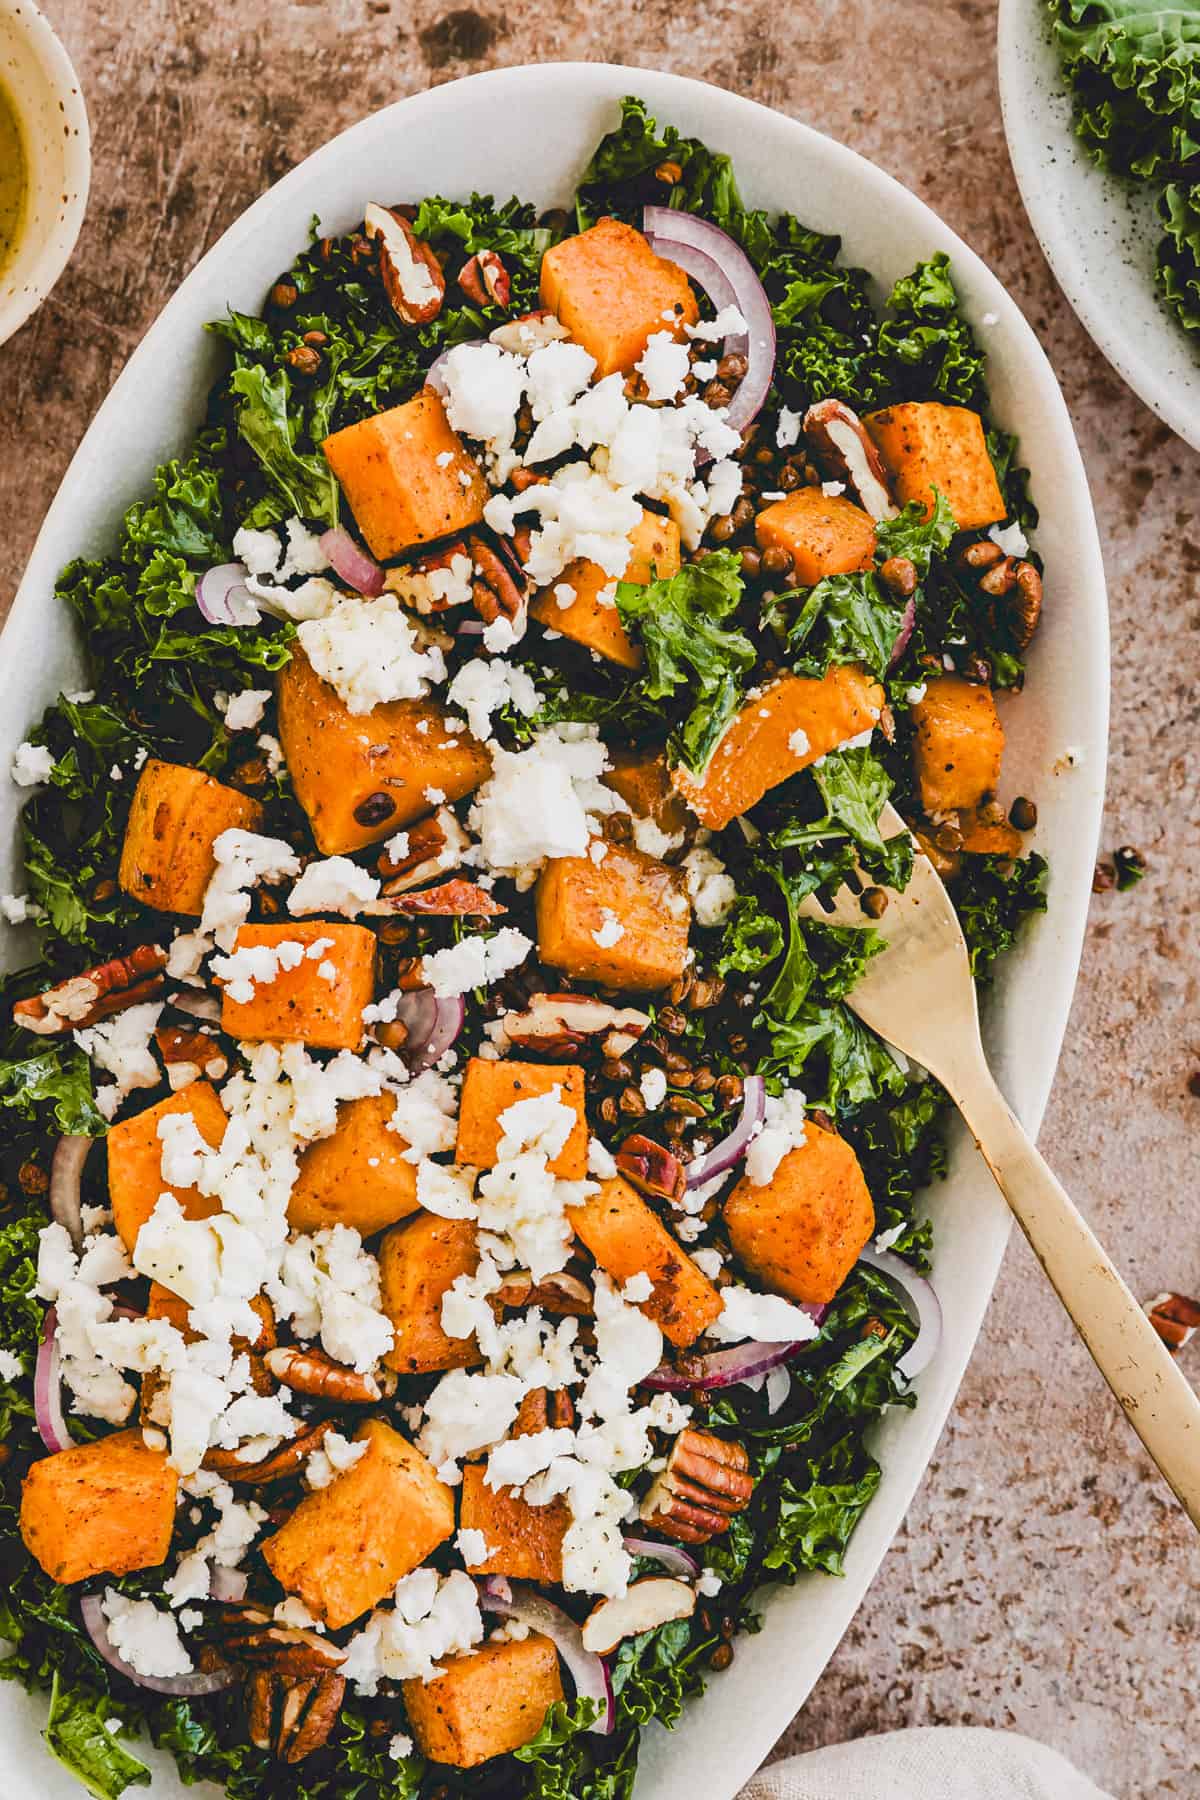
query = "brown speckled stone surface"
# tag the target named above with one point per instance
(1044, 1581)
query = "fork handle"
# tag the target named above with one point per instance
(1158, 1401)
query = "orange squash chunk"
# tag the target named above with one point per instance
(524, 1541)
(176, 817)
(958, 745)
(99, 1509)
(348, 1544)
(486, 1703)
(587, 620)
(399, 492)
(300, 1005)
(418, 1263)
(824, 534)
(801, 1233)
(359, 1176)
(611, 291)
(627, 1237)
(780, 731)
(490, 1088)
(925, 445)
(643, 780)
(135, 1178)
(988, 837)
(580, 903)
(346, 767)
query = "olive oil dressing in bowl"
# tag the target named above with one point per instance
(14, 181)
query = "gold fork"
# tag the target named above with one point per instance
(918, 994)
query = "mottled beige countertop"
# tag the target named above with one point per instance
(1044, 1581)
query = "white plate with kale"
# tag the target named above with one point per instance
(510, 1267)
(1101, 108)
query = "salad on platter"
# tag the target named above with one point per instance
(456, 1237)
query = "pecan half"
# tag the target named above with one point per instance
(561, 1293)
(450, 900)
(285, 1461)
(558, 1025)
(541, 1410)
(435, 845)
(190, 1053)
(96, 994)
(284, 1649)
(498, 586)
(532, 331)
(651, 1168)
(435, 582)
(705, 1482)
(309, 1371)
(1175, 1318)
(308, 1715)
(842, 449)
(411, 273)
(485, 280)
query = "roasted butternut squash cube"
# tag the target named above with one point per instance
(925, 445)
(984, 836)
(348, 1544)
(490, 1088)
(301, 1005)
(824, 534)
(176, 817)
(643, 780)
(407, 476)
(135, 1177)
(594, 622)
(623, 920)
(958, 745)
(161, 1303)
(613, 292)
(627, 1238)
(99, 1509)
(782, 730)
(523, 1541)
(486, 1703)
(419, 1262)
(362, 776)
(802, 1231)
(359, 1176)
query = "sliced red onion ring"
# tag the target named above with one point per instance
(470, 628)
(905, 631)
(351, 562)
(224, 598)
(432, 1024)
(673, 1557)
(213, 1681)
(47, 1388)
(725, 1368)
(778, 1386)
(922, 1301)
(66, 1174)
(227, 1584)
(729, 1150)
(197, 1005)
(671, 233)
(588, 1671)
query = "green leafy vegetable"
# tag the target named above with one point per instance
(78, 1735)
(992, 898)
(1179, 251)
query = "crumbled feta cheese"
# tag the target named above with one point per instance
(329, 1287)
(33, 763)
(147, 1638)
(121, 1045)
(543, 801)
(447, 1191)
(333, 1456)
(334, 884)
(601, 1161)
(787, 432)
(260, 551)
(400, 1745)
(783, 1131)
(475, 961)
(713, 890)
(610, 931)
(767, 1318)
(664, 366)
(798, 742)
(1010, 538)
(654, 1088)
(472, 1546)
(244, 711)
(639, 1287)
(11, 1367)
(18, 909)
(434, 1616)
(485, 685)
(370, 652)
(728, 323)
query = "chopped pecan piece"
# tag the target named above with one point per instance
(285, 1461)
(561, 1293)
(532, 331)
(705, 1482)
(558, 1025)
(842, 449)
(651, 1168)
(435, 846)
(310, 1371)
(435, 582)
(498, 586)
(96, 994)
(245, 1637)
(189, 1053)
(411, 273)
(541, 1410)
(1175, 1318)
(450, 899)
(292, 1718)
(485, 280)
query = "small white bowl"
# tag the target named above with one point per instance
(42, 87)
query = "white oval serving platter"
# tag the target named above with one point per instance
(1099, 233)
(528, 130)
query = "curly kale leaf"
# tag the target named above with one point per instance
(53, 1087)
(77, 1734)
(678, 619)
(925, 341)
(1179, 252)
(1135, 75)
(992, 897)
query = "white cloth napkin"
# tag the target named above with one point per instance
(934, 1763)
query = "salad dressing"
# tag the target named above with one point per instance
(13, 180)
